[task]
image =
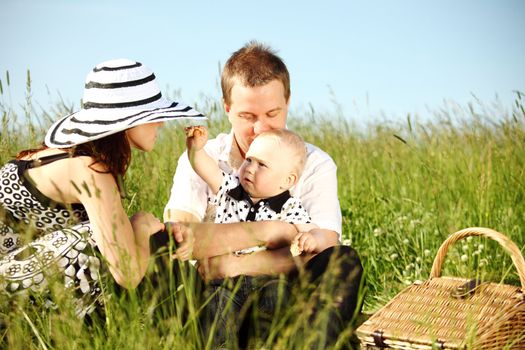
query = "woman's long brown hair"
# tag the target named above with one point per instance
(114, 151)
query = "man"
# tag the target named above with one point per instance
(256, 94)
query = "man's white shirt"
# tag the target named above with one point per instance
(316, 188)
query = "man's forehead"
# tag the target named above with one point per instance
(271, 93)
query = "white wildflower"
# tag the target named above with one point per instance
(413, 223)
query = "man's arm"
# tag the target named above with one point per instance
(268, 262)
(205, 240)
(317, 190)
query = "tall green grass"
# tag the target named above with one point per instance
(404, 186)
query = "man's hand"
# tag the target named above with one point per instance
(218, 267)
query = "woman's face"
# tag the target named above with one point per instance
(143, 137)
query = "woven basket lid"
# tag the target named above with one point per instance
(434, 313)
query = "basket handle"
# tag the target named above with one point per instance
(503, 240)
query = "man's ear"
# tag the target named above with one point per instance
(226, 106)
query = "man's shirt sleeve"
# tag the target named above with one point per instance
(318, 191)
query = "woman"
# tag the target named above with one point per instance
(66, 195)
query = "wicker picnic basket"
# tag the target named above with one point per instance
(450, 312)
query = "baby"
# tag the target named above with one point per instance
(260, 191)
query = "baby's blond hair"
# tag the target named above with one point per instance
(293, 143)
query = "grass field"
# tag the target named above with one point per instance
(404, 186)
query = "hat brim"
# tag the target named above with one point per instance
(95, 123)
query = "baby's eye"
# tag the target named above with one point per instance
(249, 160)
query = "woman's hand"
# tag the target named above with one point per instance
(144, 225)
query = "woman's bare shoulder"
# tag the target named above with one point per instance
(91, 178)
(87, 169)
(76, 169)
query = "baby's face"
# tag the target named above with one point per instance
(266, 169)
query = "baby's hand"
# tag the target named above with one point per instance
(183, 235)
(304, 242)
(196, 137)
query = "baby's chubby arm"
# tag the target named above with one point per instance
(204, 165)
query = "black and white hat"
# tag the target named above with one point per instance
(118, 95)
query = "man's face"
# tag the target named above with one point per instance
(254, 110)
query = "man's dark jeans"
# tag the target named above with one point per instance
(235, 300)
(245, 307)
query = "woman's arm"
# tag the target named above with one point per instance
(123, 243)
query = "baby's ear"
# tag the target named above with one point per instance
(291, 179)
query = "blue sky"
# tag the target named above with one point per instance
(397, 57)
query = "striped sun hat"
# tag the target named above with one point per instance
(118, 95)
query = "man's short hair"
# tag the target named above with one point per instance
(253, 65)
(292, 142)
